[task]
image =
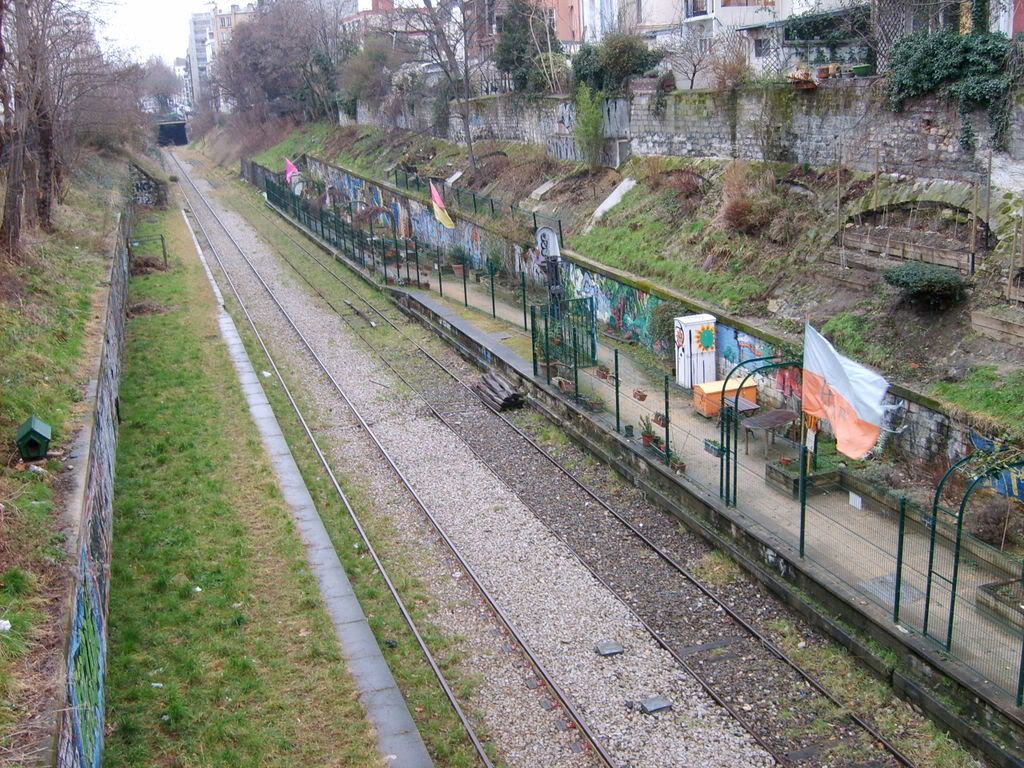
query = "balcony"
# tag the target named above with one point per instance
(698, 8)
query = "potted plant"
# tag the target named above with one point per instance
(713, 447)
(639, 394)
(564, 385)
(677, 464)
(603, 371)
(659, 419)
(646, 431)
(593, 403)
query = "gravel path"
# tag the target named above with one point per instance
(559, 607)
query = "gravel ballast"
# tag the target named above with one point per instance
(551, 598)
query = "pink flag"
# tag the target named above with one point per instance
(289, 170)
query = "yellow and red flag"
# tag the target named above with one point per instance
(440, 212)
(845, 393)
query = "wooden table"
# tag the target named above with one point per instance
(769, 421)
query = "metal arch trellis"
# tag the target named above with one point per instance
(990, 464)
(729, 425)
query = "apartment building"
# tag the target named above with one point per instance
(197, 85)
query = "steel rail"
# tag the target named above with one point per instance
(563, 699)
(667, 557)
(701, 680)
(406, 615)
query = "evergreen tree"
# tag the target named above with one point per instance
(525, 35)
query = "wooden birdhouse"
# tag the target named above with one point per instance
(33, 439)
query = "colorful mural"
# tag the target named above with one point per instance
(625, 310)
(1011, 481)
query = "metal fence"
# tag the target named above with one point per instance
(921, 568)
(80, 738)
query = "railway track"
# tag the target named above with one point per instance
(784, 712)
(595, 745)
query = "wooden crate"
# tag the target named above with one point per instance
(707, 397)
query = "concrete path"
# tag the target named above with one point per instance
(398, 739)
(851, 538)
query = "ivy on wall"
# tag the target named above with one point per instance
(970, 69)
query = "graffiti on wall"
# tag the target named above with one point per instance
(1010, 482)
(625, 310)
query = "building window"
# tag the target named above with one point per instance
(762, 47)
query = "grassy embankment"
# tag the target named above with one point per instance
(731, 245)
(221, 652)
(46, 305)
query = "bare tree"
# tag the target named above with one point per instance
(10, 227)
(690, 52)
(450, 31)
(160, 83)
(63, 88)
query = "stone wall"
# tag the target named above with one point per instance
(777, 123)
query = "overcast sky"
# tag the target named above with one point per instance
(149, 27)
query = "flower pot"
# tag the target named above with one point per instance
(602, 373)
(564, 386)
(659, 419)
(648, 439)
(678, 465)
(712, 447)
(823, 73)
(639, 394)
(861, 70)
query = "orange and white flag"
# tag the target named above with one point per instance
(440, 212)
(847, 394)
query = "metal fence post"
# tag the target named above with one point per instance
(575, 369)
(440, 279)
(522, 276)
(1020, 674)
(547, 349)
(494, 310)
(803, 497)
(618, 423)
(561, 240)
(407, 278)
(533, 339)
(416, 255)
(899, 561)
(668, 451)
(465, 285)
(492, 205)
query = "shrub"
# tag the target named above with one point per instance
(749, 200)
(996, 520)
(663, 323)
(589, 128)
(927, 283)
(622, 56)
